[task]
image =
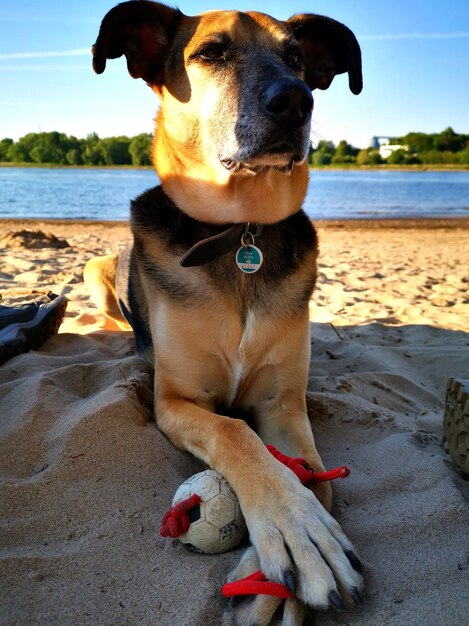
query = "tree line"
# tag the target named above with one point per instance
(445, 148)
(57, 148)
(60, 149)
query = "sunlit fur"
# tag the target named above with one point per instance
(184, 153)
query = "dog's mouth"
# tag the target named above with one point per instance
(235, 167)
(279, 158)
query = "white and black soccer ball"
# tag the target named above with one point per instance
(217, 523)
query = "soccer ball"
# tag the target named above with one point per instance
(217, 523)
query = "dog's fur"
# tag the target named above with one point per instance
(232, 134)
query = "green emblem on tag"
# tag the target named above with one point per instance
(249, 259)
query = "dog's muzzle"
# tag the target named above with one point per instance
(286, 105)
(288, 102)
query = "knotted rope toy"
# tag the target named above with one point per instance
(177, 521)
(305, 474)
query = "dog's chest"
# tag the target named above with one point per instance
(240, 363)
(226, 324)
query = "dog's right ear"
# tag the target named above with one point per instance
(329, 48)
(143, 31)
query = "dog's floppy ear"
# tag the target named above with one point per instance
(329, 48)
(140, 29)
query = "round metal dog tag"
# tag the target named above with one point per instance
(249, 259)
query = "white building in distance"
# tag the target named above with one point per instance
(385, 147)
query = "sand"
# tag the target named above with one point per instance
(85, 477)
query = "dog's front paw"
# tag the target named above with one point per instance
(298, 543)
(262, 610)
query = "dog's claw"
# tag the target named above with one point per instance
(289, 580)
(354, 560)
(235, 600)
(356, 597)
(336, 600)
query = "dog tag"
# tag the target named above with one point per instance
(249, 259)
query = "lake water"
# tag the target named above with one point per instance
(104, 194)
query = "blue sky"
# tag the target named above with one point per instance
(415, 55)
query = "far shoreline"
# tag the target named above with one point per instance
(59, 166)
(401, 223)
(340, 167)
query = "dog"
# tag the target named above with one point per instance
(217, 282)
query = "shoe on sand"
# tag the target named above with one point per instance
(456, 423)
(28, 326)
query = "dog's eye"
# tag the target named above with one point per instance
(211, 52)
(294, 58)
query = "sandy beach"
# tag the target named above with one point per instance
(85, 477)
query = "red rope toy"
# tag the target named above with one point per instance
(176, 522)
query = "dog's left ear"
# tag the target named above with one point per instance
(329, 48)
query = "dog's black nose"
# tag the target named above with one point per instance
(288, 102)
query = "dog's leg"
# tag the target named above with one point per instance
(294, 537)
(288, 430)
(99, 276)
(287, 427)
(277, 393)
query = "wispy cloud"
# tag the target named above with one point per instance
(43, 68)
(397, 36)
(9, 56)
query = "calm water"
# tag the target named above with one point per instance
(105, 194)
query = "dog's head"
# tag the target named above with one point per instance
(235, 88)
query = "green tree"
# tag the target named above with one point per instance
(49, 148)
(438, 157)
(326, 146)
(449, 141)
(323, 154)
(363, 157)
(434, 147)
(5, 145)
(139, 149)
(91, 154)
(115, 150)
(73, 150)
(464, 156)
(321, 158)
(369, 156)
(374, 157)
(344, 153)
(73, 156)
(416, 142)
(397, 157)
(20, 151)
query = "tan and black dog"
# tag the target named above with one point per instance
(223, 264)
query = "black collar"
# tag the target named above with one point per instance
(213, 247)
